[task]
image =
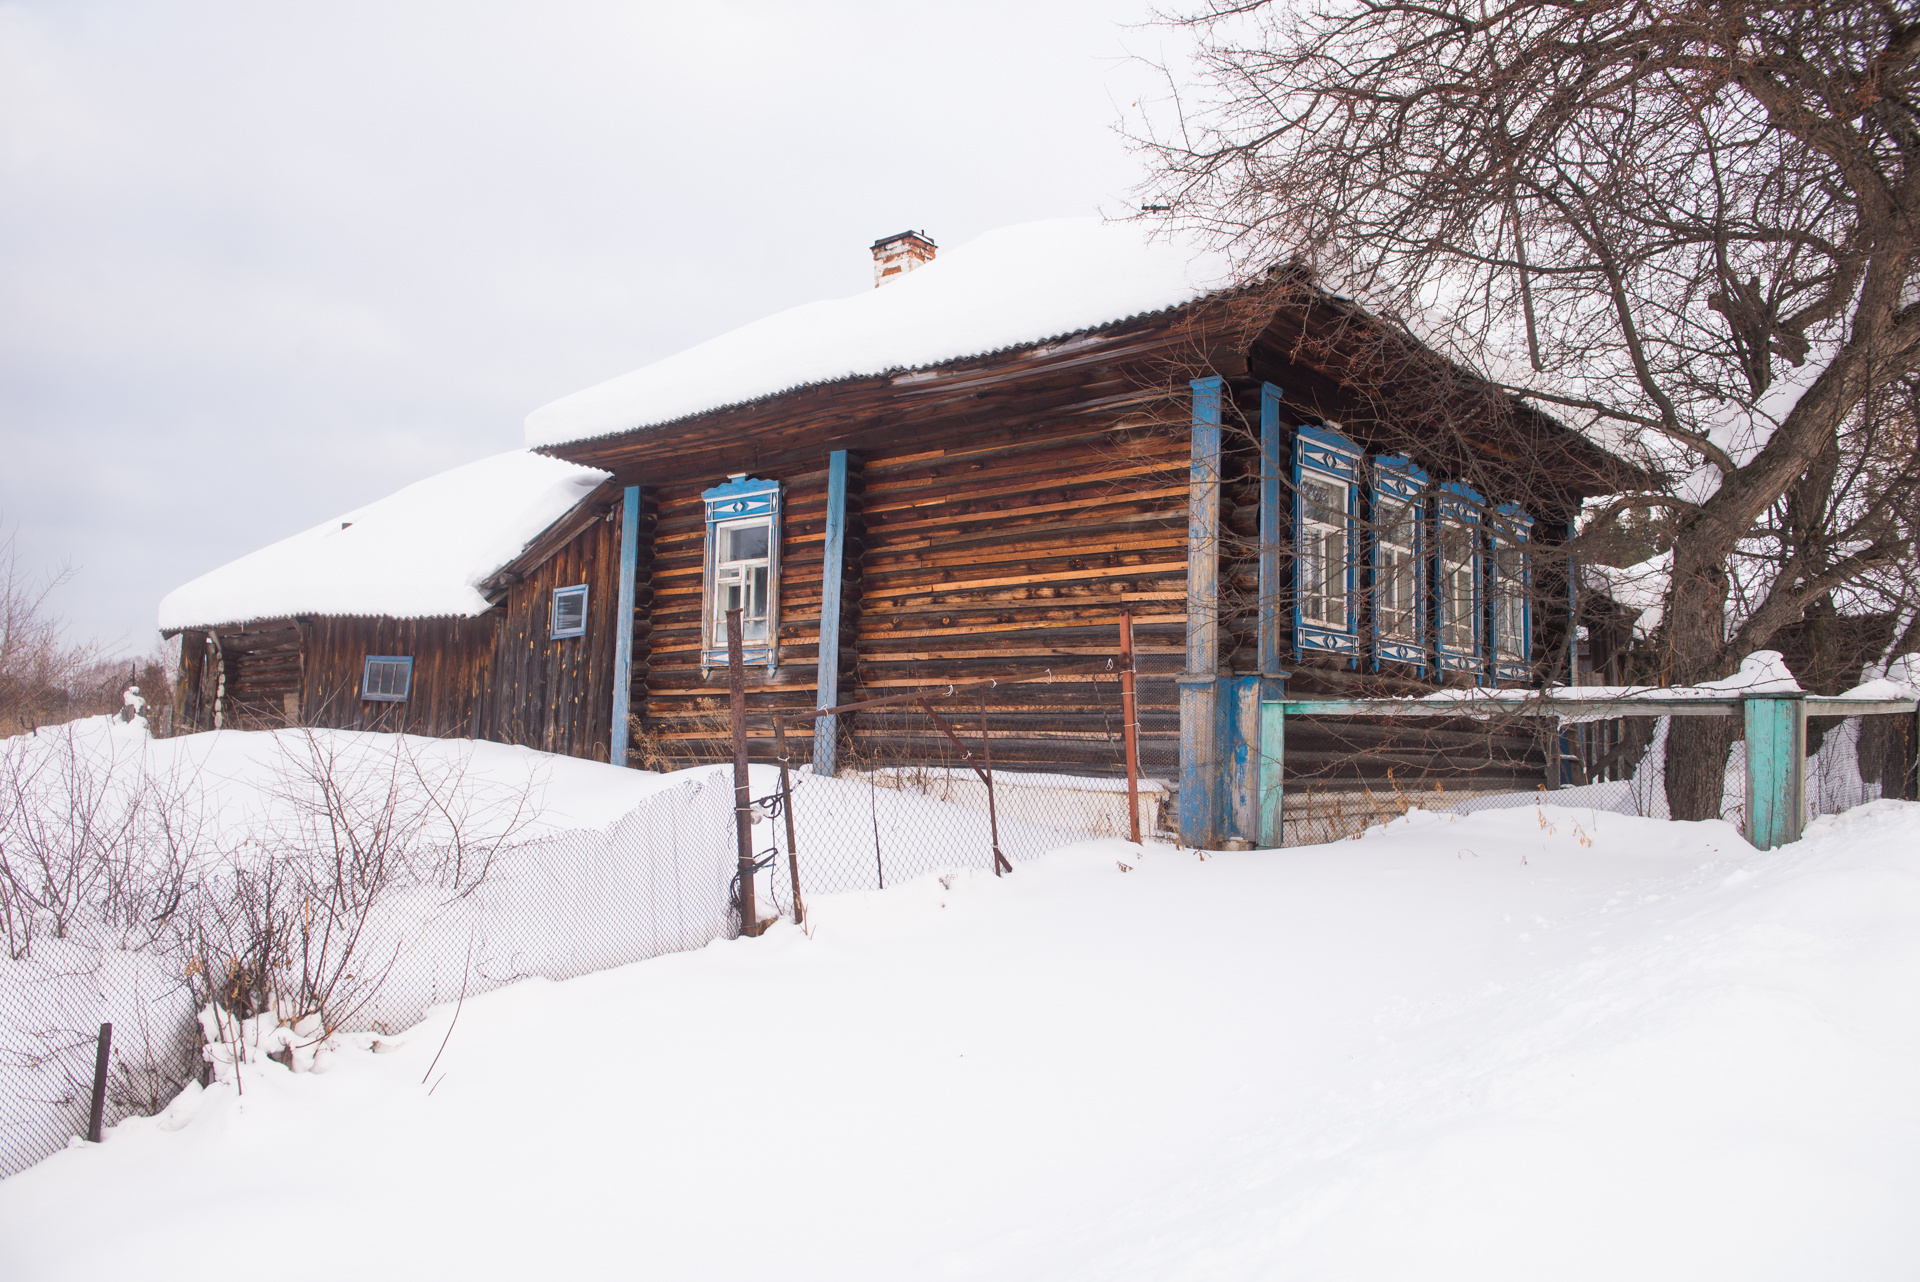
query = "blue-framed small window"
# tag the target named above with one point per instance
(1457, 570)
(569, 613)
(386, 678)
(1509, 591)
(1326, 498)
(1399, 549)
(742, 571)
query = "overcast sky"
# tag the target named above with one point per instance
(263, 263)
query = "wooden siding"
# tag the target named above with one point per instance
(449, 660)
(556, 694)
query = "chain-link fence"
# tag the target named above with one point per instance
(559, 906)
(948, 778)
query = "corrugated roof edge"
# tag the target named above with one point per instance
(298, 615)
(550, 449)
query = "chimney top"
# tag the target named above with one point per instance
(896, 255)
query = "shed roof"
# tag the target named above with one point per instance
(418, 553)
(1009, 288)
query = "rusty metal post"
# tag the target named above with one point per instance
(742, 791)
(98, 1115)
(993, 818)
(786, 808)
(1130, 725)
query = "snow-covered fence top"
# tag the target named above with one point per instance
(1764, 693)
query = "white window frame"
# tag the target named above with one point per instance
(1399, 552)
(1510, 590)
(741, 503)
(1323, 459)
(1460, 643)
(554, 630)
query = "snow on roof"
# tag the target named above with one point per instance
(1011, 287)
(418, 553)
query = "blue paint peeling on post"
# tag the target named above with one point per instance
(1272, 497)
(832, 571)
(623, 625)
(1240, 723)
(1200, 731)
(1776, 727)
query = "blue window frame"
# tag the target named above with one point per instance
(742, 571)
(1509, 590)
(386, 678)
(1326, 495)
(1458, 579)
(569, 613)
(1399, 549)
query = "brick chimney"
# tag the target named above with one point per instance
(896, 255)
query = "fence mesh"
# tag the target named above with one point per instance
(659, 880)
(662, 878)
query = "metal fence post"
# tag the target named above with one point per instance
(98, 1113)
(1130, 726)
(1776, 726)
(786, 809)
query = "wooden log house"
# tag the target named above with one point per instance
(970, 471)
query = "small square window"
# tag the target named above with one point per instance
(387, 678)
(569, 612)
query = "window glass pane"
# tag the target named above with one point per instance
(744, 542)
(386, 679)
(1460, 606)
(1323, 501)
(1322, 551)
(569, 612)
(1333, 564)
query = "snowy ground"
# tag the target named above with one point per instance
(1523, 1044)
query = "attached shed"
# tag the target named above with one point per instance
(431, 611)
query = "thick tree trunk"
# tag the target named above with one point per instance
(1696, 627)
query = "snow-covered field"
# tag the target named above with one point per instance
(1532, 1043)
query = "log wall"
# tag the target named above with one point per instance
(686, 710)
(1017, 554)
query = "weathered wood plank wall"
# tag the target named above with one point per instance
(556, 693)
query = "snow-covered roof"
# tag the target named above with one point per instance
(418, 553)
(1012, 287)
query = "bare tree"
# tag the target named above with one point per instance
(1688, 228)
(38, 668)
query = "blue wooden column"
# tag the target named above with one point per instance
(623, 625)
(1273, 498)
(1776, 768)
(1200, 727)
(826, 742)
(1267, 743)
